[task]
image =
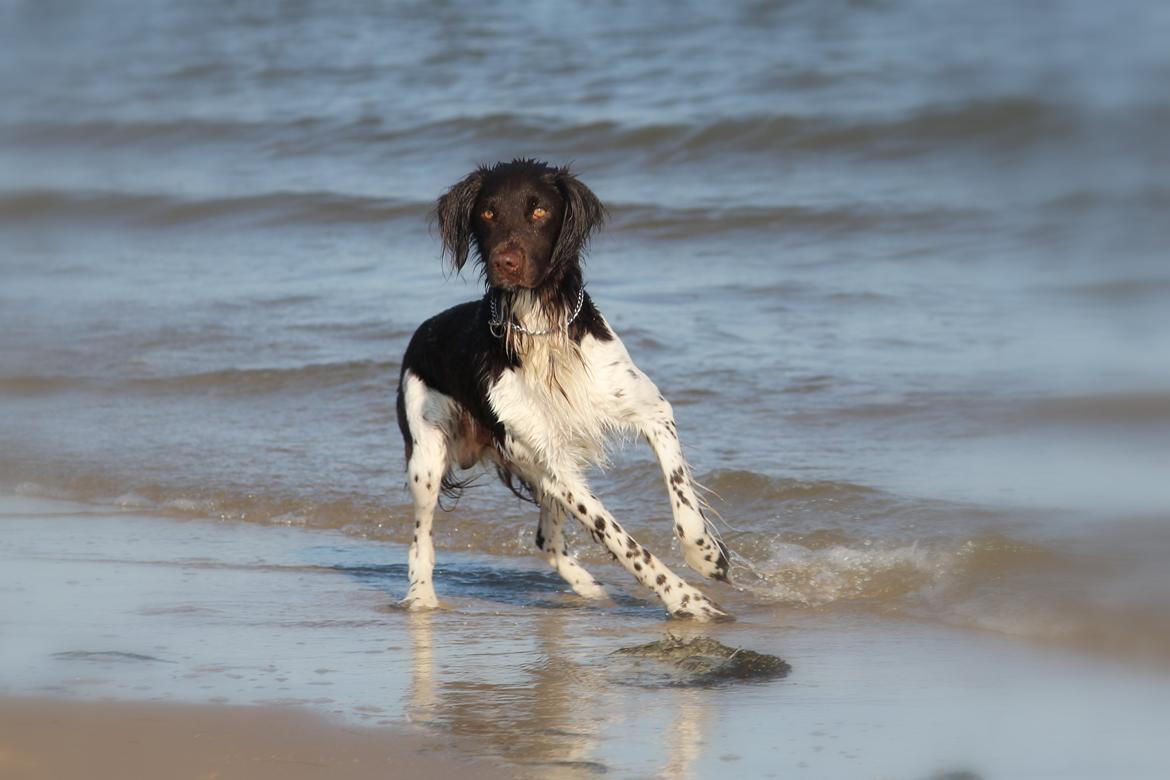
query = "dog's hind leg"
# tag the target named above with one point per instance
(681, 599)
(424, 412)
(550, 540)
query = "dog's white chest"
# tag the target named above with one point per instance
(557, 405)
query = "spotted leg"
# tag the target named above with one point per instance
(704, 551)
(681, 600)
(642, 404)
(424, 413)
(550, 539)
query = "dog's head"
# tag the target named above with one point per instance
(527, 220)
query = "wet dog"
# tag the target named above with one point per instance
(531, 380)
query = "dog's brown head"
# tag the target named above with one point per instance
(528, 222)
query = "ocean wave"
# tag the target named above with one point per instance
(114, 132)
(163, 210)
(752, 486)
(987, 583)
(228, 381)
(262, 381)
(662, 222)
(1013, 119)
(33, 385)
(275, 209)
(835, 568)
(1009, 119)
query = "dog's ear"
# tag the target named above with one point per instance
(583, 214)
(453, 212)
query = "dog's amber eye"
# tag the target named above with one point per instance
(488, 215)
(539, 213)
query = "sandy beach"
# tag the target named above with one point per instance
(53, 739)
(143, 646)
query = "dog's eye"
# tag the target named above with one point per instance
(539, 213)
(488, 215)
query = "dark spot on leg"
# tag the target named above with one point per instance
(416, 477)
(681, 533)
(599, 524)
(661, 579)
(539, 539)
(637, 566)
(581, 510)
(631, 543)
(645, 555)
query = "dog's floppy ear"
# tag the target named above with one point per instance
(453, 213)
(583, 214)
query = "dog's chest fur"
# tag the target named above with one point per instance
(559, 406)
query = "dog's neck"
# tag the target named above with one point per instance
(527, 309)
(523, 321)
(545, 312)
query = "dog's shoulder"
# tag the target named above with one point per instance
(590, 322)
(454, 353)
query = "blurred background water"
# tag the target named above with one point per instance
(901, 266)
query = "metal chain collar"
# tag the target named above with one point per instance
(495, 323)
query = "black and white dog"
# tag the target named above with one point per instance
(531, 379)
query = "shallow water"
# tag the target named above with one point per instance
(101, 604)
(901, 267)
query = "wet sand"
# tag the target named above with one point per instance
(53, 739)
(285, 641)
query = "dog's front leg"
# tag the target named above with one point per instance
(550, 540)
(681, 599)
(637, 402)
(703, 550)
(654, 418)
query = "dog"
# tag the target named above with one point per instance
(532, 380)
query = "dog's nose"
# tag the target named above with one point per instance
(507, 261)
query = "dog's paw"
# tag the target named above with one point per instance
(712, 613)
(419, 599)
(589, 589)
(701, 609)
(709, 557)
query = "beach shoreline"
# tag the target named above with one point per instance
(285, 644)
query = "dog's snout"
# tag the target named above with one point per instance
(508, 260)
(508, 266)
